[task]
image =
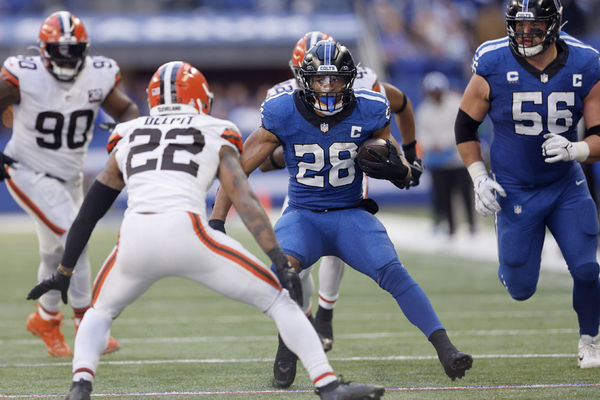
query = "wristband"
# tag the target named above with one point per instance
(65, 271)
(581, 151)
(477, 169)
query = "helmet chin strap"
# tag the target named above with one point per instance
(531, 51)
(64, 73)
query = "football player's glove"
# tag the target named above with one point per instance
(485, 195)
(416, 165)
(287, 274)
(4, 160)
(558, 148)
(217, 224)
(58, 281)
(393, 168)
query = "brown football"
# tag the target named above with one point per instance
(377, 145)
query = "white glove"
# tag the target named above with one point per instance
(485, 195)
(558, 148)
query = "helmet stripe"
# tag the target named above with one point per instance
(168, 78)
(327, 54)
(525, 5)
(65, 23)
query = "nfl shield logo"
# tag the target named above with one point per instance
(518, 209)
(324, 127)
(544, 78)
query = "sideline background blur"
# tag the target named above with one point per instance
(243, 48)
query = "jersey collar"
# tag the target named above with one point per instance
(316, 120)
(561, 59)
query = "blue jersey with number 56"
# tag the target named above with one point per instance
(526, 104)
(319, 151)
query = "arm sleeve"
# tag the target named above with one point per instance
(96, 203)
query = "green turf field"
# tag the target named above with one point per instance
(181, 341)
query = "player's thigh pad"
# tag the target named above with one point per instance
(301, 234)
(362, 241)
(46, 199)
(574, 223)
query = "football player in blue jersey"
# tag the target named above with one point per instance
(535, 85)
(321, 127)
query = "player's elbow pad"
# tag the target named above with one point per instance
(465, 128)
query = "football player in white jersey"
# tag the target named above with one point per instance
(168, 160)
(331, 268)
(55, 98)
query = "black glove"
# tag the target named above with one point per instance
(390, 168)
(217, 224)
(4, 160)
(57, 281)
(287, 274)
(107, 126)
(416, 165)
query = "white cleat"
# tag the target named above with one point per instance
(589, 351)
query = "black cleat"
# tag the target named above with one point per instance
(284, 368)
(325, 332)
(322, 324)
(456, 364)
(80, 390)
(340, 390)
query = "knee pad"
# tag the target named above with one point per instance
(395, 279)
(587, 272)
(518, 289)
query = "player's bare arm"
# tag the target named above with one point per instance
(8, 94)
(234, 183)
(475, 103)
(591, 115)
(401, 107)
(111, 175)
(257, 148)
(274, 161)
(119, 106)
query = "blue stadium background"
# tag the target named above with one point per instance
(243, 47)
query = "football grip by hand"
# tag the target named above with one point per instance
(391, 168)
(485, 195)
(55, 282)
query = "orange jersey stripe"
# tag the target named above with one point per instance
(234, 138)
(117, 79)
(101, 277)
(233, 254)
(30, 204)
(112, 142)
(376, 87)
(9, 78)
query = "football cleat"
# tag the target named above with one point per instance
(340, 390)
(456, 364)
(49, 332)
(284, 368)
(325, 331)
(589, 351)
(80, 390)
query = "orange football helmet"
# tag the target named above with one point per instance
(302, 46)
(63, 45)
(177, 87)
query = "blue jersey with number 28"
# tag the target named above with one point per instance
(527, 103)
(319, 151)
